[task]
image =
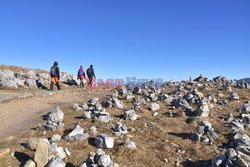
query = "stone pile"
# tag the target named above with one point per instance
(99, 159)
(47, 153)
(202, 109)
(77, 134)
(245, 108)
(205, 133)
(53, 120)
(119, 129)
(238, 153)
(130, 115)
(234, 96)
(94, 109)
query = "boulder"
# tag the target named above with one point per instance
(56, 162)
(202, 110)
(77, 134)
(94, 101)
(42, 154)
(31, 74)
(104, 118)
(56, 115)
(31, 82)
(85, 106)
(104, 141)
(180, 103)
(87, 115)
(234, 96)
(117, 103)
(33, 143)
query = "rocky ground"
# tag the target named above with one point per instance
(192, 123)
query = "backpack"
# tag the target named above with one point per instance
(80, 73)
(89, 73)
(53, 71)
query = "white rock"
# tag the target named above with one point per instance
(154, 107)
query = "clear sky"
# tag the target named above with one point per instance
(169, 39)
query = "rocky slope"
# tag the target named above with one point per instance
(189, 123)
(13, 77)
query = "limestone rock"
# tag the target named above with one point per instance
(42, 154)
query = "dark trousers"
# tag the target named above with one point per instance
(56, 82)
(81, 83)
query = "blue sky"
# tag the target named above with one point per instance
(169, 39)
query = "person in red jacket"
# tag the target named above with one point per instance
(81, 76)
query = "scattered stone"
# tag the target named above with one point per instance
(99, 159)
(245, 109)
(104, 141)
(154, 107)
(56, 162)
(137, 90)
(222, 102)
(120, 129)
(180, 103)
(87, 115)
(94, 101)
(130, 115)
(234, 96)
(77, 134)
(155, 114)
(130, 144)
(55, 138)
(76, 107)
(117, 103)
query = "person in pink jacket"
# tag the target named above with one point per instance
(81, 76)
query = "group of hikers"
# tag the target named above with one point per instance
(55, 76)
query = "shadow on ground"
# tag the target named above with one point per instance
(21, 157)
(182, 135)
(196, 164)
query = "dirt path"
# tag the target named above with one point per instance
(19, 115)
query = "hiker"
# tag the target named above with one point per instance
(91, 75)
(55, 76)
(81, 76)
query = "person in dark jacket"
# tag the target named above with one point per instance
(55, 76)
(91, 75)
(81, 76)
